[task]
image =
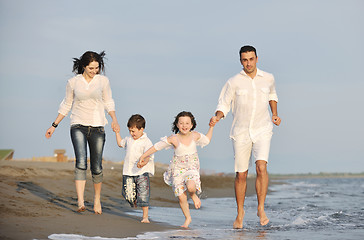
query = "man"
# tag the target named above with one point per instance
(248, 94)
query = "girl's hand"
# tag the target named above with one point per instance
(49, 132)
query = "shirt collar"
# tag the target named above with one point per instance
(259, 73)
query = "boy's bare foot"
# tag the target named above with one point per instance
(238, 223)
(187, 222)
(145, 220)
(97, 206)
(263, 218)
(196, 200)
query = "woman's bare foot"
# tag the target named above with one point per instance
(196, 200)
(145, 220)
(263, 218)
(81, 207)
(187, 222)
(238, 223)
(97, 206)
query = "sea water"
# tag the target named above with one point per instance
(307, 208)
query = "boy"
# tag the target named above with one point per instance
(136, 184)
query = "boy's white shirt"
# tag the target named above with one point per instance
(134, 149)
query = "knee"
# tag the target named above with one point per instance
(241, 176)
(261, 167)
(191, 187)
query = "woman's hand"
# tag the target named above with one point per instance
(49, 132)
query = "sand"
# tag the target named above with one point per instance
(39, 199)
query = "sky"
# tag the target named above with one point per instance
(164, 57)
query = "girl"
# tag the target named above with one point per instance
(88, 94)
(183, 173)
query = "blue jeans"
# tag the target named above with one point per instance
(136, 190)
(95, 137)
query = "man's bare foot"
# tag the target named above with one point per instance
(263, 218)
(97, 206)
(196, 200)
(187, 222)
(238, 223)
(145, 220)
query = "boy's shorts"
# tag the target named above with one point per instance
(244, 147)
(136, 190)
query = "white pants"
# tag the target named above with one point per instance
(244, 146)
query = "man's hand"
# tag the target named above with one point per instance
(276, 120)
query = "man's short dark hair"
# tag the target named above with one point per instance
(247, 48)
(136, 121)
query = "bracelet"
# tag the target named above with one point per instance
(54, 125)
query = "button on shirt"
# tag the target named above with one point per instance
(249, 101)
(135, 149)
(88, 101)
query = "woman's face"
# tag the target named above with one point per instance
(184, 124)
(91, 70)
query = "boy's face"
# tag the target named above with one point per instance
(135, 132)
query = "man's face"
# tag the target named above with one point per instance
(249, 61)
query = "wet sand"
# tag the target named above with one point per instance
(39, 199)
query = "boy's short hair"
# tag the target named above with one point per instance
(136, 121)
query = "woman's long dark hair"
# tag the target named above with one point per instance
(79, 64)
(183, 114)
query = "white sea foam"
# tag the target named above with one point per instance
(296, 210)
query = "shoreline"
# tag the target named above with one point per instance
(39, 199)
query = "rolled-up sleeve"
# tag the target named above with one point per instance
(107, 96)
(67, 102)
(273, 94)
(225, 99)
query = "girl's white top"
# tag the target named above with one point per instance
(88, 101)
(163, 143)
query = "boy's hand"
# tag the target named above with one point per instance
(141, 163)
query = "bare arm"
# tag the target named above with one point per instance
(114, 124)
(209, 132)
(50, 130)
(144, 159)
(118, 139)
(273, 107)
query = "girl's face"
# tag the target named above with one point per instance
(91, 70)
(184, 124)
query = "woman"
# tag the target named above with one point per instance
(88, 94)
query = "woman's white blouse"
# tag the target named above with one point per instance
(88, 101)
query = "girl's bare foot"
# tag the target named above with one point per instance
(145, 220)
(263, 218)
(187, 222)
(196, 200)
(97, 206)
(238, 223)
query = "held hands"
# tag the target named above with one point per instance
(276, 120)
(142, 162)
(213, 121)
(115, 126)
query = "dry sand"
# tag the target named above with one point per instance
(39, 199)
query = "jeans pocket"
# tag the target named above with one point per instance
(101, 130)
